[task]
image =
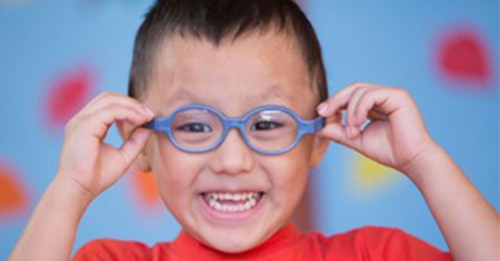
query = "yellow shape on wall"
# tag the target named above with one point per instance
(371, 176)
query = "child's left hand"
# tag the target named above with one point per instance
(396, 135)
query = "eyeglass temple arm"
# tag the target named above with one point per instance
(155, 124)
(314, 125)
(149, 124)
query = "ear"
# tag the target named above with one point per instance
(320, 144)
(142, 161)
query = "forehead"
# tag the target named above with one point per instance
(234, 76)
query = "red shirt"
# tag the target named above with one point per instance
(367, 243)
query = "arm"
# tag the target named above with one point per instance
(50, 232)
(468, 222)
(396, 136)
(87, 167)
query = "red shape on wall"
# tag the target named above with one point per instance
(68, 94)
(464, 58)
(13, 196)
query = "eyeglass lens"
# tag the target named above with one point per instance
(271, 130)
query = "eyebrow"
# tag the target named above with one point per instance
(274, 91)
(180, 94)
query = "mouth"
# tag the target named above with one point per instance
(232, 205)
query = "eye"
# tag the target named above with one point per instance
(195, 127)
(266, 125)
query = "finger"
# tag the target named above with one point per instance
(105, 99)
(336, 118)
(116, 98)
(376, 115)
(353, 128)
(338, 100)
(114, 113)
(373, 115)
(108, 98)
(352, 104)
(373, 98)
(98, 123)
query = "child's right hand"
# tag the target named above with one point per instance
(86, 161)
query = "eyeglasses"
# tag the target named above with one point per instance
(269, 130)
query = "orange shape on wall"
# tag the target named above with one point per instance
(145, 189)
(13, 198)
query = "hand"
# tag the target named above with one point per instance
(86, 160)
(396, 135)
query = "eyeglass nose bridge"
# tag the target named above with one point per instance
(237, 123)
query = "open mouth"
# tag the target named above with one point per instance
(232, 202)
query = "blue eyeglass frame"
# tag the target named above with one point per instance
(304, 126)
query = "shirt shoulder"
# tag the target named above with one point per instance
(115, 250)
(378, 243)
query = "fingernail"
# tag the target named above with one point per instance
(322, 108)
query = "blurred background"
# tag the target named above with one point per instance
(56, 55)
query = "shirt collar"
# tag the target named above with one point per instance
(187, 247)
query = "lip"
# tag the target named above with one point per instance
(219, 217)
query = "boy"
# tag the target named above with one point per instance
(205, 68)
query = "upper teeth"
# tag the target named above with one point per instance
(249, 200)
(232, 196)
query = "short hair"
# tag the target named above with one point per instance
(215, 20)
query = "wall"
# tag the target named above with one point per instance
(56, 55)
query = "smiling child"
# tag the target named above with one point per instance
(228, 108)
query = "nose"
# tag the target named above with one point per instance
(233, 156)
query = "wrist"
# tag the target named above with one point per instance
(424, 164)
(67, 193)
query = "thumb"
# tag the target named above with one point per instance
(133, 146)
(118, 161)
(339, 133)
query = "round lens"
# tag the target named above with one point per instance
(196, 128)
(271, 130)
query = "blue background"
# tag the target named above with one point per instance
(385, 42)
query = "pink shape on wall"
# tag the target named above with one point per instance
(463, 57)
(67, 94)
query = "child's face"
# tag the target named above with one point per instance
(233, 78)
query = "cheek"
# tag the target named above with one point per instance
(175, 173)
(289, 174)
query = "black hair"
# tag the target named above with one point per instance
(215, 20)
